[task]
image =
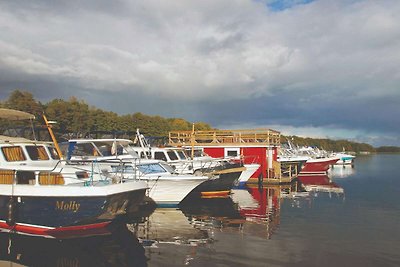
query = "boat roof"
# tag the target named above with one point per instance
(101, 140)
(16, 115)
(11, 139)
(156, 148)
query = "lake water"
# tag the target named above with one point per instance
(352, 220)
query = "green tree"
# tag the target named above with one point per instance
(24, 101)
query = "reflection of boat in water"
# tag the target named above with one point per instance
(244, 199)
(166, 228)
(220, 214)
(145, 209)
(320, 183)
(341, 171)
(167, 225)
(121, 248)
(248, 211)
(213, 207)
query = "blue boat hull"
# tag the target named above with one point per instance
(40, 215)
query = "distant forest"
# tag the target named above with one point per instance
(75, 118)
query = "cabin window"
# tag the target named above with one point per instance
(13, 153)
(181, 155)
(84, 150)
(50, 178)
(143, 155)
(105, 149)
(172, 155)
(160, 156)
(37, 152)
(53, 153)
(25, 177)
(6, 176)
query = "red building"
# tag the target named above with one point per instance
(251, 146)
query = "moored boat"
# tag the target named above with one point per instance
(317, 166)
(166, 187)
(219, 185)
(344, 158)
(41, 195)
(63, 210)
(250, 169)
(309, 160)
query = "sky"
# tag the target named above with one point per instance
(323, 68)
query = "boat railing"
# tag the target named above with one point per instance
(63, 172)
(224, 137)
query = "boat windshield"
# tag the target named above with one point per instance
(151, 168)
(98, 148)
(167, 167)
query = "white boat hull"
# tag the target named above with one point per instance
(170, 192)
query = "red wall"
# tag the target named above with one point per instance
(250, 154)
(215, 152)
(275, 154)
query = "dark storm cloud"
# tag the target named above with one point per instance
(324, 68)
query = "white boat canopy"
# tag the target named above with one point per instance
(16, 115)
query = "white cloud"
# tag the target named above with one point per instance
(209, 51)
(247, 50)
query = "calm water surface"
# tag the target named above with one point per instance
(354, 220)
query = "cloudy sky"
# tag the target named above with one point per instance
(323, 68)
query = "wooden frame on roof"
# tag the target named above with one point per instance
(246, 137)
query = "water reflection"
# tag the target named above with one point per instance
(320, 183)
(253, 210)
(341, 171)
(170, 237)
(168, 226)
(121, 248)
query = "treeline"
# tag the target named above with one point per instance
(329, 145)
(388, 149)
(76, 118)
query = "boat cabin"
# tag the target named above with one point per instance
(24, 161)
(178, 159)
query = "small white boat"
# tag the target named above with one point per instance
(246, 174)
(344, 158)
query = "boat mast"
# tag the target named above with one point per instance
(143, 144)
(53, 138)
(192, 142)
